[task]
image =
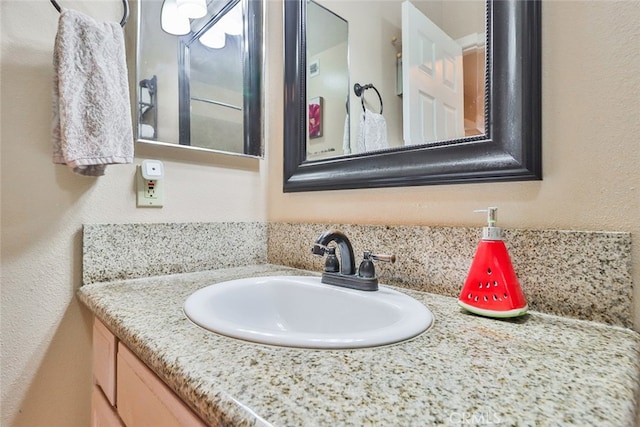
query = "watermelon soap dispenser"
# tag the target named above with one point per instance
(492, 288)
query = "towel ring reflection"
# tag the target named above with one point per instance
(359, 91)
(125, 17)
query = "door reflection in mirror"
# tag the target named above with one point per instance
(432, 103)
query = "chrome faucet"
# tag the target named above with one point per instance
(343, 273)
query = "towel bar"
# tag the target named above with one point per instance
(359, 91)
(125, 17)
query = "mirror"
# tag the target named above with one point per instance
(327, 81)
(395, 46)
(200, 79)
(501, 140)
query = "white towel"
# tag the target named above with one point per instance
(147, 131)
(372, 134)
(346, 143)
(91, 125)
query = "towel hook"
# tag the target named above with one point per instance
(359, 91)
(125, 17)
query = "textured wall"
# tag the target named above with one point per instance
(46, 333)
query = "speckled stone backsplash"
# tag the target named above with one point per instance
(584, 275)
(126, 251)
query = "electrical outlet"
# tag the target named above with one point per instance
(149, 191)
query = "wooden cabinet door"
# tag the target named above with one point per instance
(144, 400)
(104, 360)
(102, 413)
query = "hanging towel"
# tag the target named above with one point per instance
(372, 134)
(346, 143)
(91, 125)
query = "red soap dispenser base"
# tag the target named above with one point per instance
(492, 288)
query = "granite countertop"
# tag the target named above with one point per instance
(537, 370)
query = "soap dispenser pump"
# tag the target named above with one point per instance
(492, 288)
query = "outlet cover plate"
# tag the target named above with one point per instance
(149, 193)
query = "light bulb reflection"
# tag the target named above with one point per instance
(231, 22)
(192, 8)
(215, 38)
(172, 21)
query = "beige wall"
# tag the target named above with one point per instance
(590, 100)
(46, 354)
(330, 84)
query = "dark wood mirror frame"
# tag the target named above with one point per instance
(510, 150)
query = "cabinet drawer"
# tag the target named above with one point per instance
(144, 400)
(104, 360)
(102, 413)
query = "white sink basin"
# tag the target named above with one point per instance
(299, 311)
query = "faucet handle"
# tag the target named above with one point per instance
(382, 257)
(331, 265)
(318, 250)
(367, 268)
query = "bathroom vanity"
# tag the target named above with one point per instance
(536, 370)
